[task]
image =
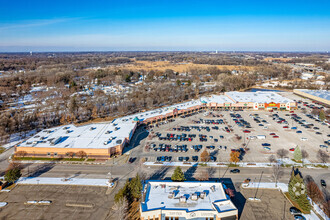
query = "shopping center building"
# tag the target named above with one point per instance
(101, 140)
(322, 96)
(167, 200)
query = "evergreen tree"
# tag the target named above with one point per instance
(297, 191)
(135, 187)
(12, 175)
(178, 175)
(297, 155)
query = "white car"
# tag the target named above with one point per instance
(303, 139)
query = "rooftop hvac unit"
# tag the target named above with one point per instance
(194, 197)
(183, 199)
(212, 188)
(56, 141)
(119, 141)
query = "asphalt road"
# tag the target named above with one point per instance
(122, 172)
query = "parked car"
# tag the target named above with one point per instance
(265, 144)
(323, 183)
(291, 149)
(131, 160)
(298, 132)
(235, 171)
(275, 136)
(272, 134)
(299, 217)
(294, 210)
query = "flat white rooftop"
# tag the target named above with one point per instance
(258, 97)
(215, 199)
(87, 136)
(220, 99)
(324, 94)
(162, 111)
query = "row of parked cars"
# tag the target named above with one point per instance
(239, 121)
(169, 148)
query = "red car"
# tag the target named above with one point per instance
(272, 134)
(247, 131)
(291, 149)
(291, 111)
(275, 136)
(285, 126)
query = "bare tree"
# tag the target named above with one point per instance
(282, 153)
(202, 175)
(205, 156)
(81, 154)
(70, 154)
(230, 192)
(121, 209)
(272, 159)
(304, 154)
(277, 172)
(322, 156)
(314, 192)
(21, 153)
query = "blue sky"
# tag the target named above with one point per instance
(60, 25)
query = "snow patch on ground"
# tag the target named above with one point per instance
(281, 186)
(62, 181)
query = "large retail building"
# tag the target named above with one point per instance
(101, 140)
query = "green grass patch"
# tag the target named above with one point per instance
(202, 164)
(233, 165)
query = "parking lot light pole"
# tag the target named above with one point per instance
(255, 196)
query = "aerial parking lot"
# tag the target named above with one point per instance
(255, 134)
(66, 202)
